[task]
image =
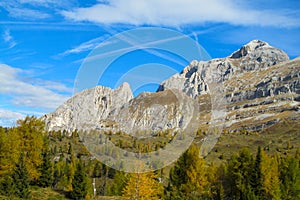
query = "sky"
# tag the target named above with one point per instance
(44, 43)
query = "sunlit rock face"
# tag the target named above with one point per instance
(258, 82)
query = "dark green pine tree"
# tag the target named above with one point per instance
(97, 170)
(290, 178)
(239, 175)
(256, 179)
(177, 178)
(79, 183)
(178, 175)
(7, 186)
(46, 170)
(119, 182)
(20, 179)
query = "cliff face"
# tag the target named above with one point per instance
(258, 99)
(260, 86)
(254, 56)
(105, 109)
(88, 109)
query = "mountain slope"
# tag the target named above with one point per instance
(259, 84)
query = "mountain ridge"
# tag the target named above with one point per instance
(250, 83)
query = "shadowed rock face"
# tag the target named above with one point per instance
(260, 84)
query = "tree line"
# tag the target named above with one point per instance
(29, 157)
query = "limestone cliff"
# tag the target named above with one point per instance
(260, 85)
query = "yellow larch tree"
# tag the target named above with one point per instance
(143, 186)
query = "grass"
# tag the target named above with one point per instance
(282, 138)
(40, 194)
(46, 194)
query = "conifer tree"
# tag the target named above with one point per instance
(197, 185)
(118, 183)
(218, 189)
(143, 186)
(79, 183)
(271, 182)
(46, 169)
(20, 178)
(31, 133)
(70, 167)
(189, 176)
(97, 171)
(290, 177)
(256, 179)
(239, 175)
(7, 186)
(4, 152)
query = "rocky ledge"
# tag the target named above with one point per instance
(259, 84)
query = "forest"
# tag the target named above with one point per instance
(35, 164)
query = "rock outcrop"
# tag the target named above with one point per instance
(254, 56)
(105, 109)
(88, 109)
(258, 82)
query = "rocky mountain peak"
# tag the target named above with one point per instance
(261, 85)
(256, 55)
(261, 51)
(86, 109)
(249, 48)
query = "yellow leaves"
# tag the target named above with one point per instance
(28, 138)
(270, 172)
(197, 173)
(197, 177)
(143, 186)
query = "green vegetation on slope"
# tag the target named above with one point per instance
(39, 165)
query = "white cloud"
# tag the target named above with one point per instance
(26, 13)
(20, 9)
(86, 46)
(178, 12)
(8, 39)
(6, 36)
(37, 1)
(8, 118)
(7, 114)
(35, 93)
(48, 3)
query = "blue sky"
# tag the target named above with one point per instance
(43, 42)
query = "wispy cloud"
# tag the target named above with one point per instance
(34, 9)
(38, 2)
(178, 12)
(8, 39)
(86, 46)
(8, 118)
(133, 45)
(34, 93)
(48, 3)
(26, 13)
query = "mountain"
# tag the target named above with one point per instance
(260, 85)
(253, 88)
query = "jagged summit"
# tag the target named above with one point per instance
(261, 86)
(256, 55)
(258, 47)
(87, 109)
(249, 48)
